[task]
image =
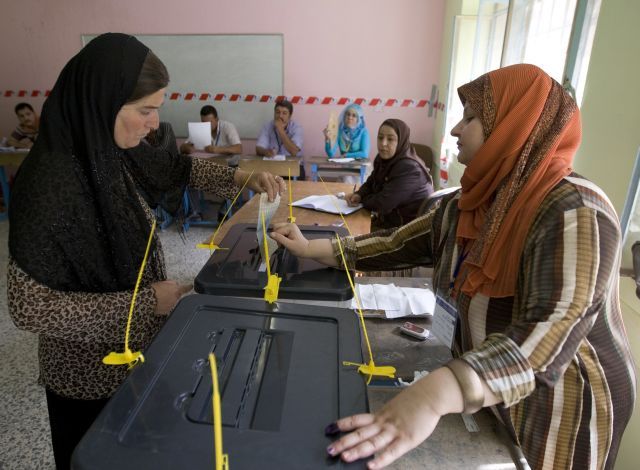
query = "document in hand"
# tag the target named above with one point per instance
(326, 203)
(200, 134)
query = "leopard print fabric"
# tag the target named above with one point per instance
(211, 177)
(77, 329)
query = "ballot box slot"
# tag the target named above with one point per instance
(253, 370)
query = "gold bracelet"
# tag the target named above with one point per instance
(470, 385)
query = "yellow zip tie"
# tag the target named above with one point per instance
(346, 225)
(211, 246)
(369, 369)
(273, 280)
(128, 356)
(222, 460)
(292, 219)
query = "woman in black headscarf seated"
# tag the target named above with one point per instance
(399, 183)
(79, 226)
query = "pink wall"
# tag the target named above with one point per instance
(368, 48)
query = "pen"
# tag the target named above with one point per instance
(354, 187)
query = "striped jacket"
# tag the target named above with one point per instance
(557, 351)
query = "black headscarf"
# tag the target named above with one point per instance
(382, 167)
(76, 223)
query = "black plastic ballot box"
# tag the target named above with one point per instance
(281, 382)
(239, 269)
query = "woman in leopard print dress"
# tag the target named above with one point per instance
(79, 225)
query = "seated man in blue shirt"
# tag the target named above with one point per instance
(282, 136)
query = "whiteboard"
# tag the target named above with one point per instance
(218, 63)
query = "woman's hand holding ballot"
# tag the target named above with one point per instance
(290, 236)
(262, 182)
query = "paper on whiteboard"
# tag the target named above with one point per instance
(200, 134)
(326, 203)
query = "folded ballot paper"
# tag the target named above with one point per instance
(326, 203)
(395, 301)
(267, 210)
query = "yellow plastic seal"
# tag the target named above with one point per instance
(128, 356)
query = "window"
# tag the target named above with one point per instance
(555, 35)
(539, 33)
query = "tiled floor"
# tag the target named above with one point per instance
(24, 425)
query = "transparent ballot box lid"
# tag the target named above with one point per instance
(239, 269)
(281, 382)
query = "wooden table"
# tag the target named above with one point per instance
(13, 159)
(286, 167)
(356, 167)
(359, 222)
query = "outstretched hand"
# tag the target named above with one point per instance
(401, 425)
(290, 236)
(262, 182)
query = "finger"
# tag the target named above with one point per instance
(376, 443)
(356, 421)
(282, 187)
(355, 439)
(281, 239)
(283, 232)
(280, 234)
(396, 449)
(277, 226)
(269, 186)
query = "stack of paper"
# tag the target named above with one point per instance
(396, 301)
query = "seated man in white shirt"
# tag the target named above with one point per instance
(225, 138)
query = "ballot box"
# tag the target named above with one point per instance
(281, 381)
(239, 269)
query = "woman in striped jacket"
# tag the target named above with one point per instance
(528, 253)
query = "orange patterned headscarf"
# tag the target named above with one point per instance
(532, 131)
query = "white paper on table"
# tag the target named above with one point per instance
(326, 203)
(421, 300)
(378, 297)
(366, 296)
(275, 158)
(389, 297)
(200, 134)
(342, 160)
(396, 301)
